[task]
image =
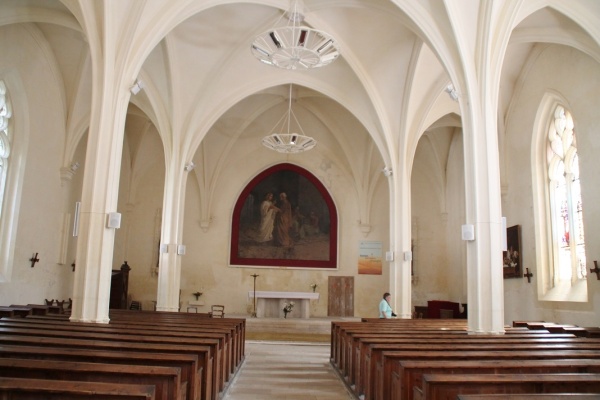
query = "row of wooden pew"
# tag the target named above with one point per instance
(138, 355)
(438, 359)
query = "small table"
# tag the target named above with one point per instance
(270, 304)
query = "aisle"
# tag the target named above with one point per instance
(286, 371)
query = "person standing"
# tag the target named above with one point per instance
(385, 310)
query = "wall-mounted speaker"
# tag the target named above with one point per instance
(114, 220)
(468, 232)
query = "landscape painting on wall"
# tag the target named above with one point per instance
(284, 218)
(511, 259)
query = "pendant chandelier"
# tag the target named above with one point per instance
(288, 142)
(295, 46)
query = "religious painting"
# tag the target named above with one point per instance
(284, 217)
(511, 258)
(370, 260)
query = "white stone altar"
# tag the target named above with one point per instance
(270, 304)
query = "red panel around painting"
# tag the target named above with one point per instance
(296, 228)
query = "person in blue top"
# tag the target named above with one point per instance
(385, 310)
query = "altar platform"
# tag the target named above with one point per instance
(270, 303)
(292, 329)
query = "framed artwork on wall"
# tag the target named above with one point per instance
(511, 258)
(284, 217)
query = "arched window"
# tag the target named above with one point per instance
(564, 194)
(5, 114)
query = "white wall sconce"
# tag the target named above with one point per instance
(452, 92)
(136, 87)
(189, 166)
(387, 171)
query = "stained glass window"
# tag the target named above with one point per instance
(5, 114)
(565, 199)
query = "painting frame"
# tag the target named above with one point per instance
(512, 265)
(313, 230)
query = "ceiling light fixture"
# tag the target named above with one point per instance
(289, 142)
(295, 46)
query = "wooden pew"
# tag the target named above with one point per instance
(186, 363)
(369, 357)
(18, 311)
(232, 330)
(202, 352)
(356, 343)
(114, 330)
(446, 386)
(27, 389)
(371, 350)
(190, 321)
(409, 374)
(390, 359)
(166, 380)
(6, 312)
(171, 333)
(185, 320)
(215, 355)
(341, 331)
(530, 396)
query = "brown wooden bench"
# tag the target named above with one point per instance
(172, 323)
(530, 396)
(369, 367)
(186, 363)
(227, 359)
(233, 331)
(371, 349)
(27, 389)
(202, 352)
(178, 321)
(392, 358)
(115, 331)
(445, 386)
(357, 343)
(409, 374)
(184, 320)
(166, 380)
(214, 355)
(6, 312)
(18, 311)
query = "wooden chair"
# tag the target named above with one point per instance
(217, 311)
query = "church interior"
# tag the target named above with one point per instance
(132, 132)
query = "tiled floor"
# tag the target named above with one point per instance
(286, 371)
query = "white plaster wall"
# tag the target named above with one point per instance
(24, 63)
(141, 208)
(206, 268)
(579, 82)
(437, 190)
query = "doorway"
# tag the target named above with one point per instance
(340, 301)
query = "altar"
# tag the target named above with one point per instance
(270, 304)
